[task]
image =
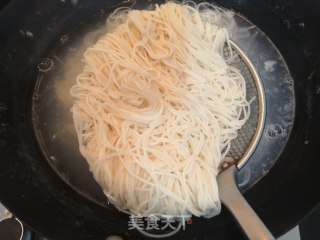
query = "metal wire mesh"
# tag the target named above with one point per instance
(246, 133)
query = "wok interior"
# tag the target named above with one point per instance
(53, 118)
(54, 124)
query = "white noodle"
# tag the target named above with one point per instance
(157, 106)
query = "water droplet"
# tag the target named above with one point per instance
(3, 107)
(255, 63)
(45, 65)
(64, 39)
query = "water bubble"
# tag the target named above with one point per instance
(64, 39)
(278, 130)
(3, 107)
(271, 133)
(274, 131)
(45, 65)
(288, 81)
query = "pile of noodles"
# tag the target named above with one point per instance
(156, 107)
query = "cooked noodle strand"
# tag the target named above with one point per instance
(157, 106)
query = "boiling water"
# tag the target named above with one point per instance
(52, 117)
(52, 102)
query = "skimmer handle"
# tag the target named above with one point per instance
(231, 197)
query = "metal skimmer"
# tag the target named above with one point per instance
(248, 136)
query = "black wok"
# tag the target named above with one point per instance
(40, 198)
